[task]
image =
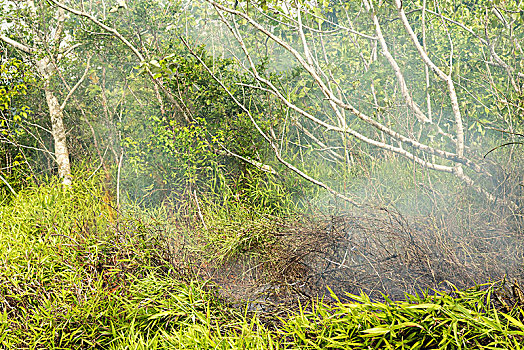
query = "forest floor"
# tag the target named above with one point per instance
(74, 273)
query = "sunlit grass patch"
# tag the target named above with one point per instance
(462, 319)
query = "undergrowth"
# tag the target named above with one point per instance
(75, 274)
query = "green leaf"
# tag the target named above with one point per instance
(514, 321)
(155, 63)
(429, 307)
(376, 331)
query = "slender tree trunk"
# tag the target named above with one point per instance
(59, 136)
(46, 70)
(57, 124)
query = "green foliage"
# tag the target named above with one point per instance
(13, 83)
(70, 278)
(14, 113)
(461, 320)
(74, 273)
(176, 156)
(181, 156)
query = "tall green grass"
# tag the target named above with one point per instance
(74, 275)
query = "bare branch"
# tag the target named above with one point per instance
(446, 78)
(101, 25)
(16, 44)
(8, 185)
(257, 164)
(330, 95)
(393, 63)
(267, 138)
(79, 82)
(68, 51)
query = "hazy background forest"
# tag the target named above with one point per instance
(243, 174)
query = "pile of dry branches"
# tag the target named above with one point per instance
(376, 251)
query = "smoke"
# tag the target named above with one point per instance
(421, 228)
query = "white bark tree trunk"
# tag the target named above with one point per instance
(46, 70)
(59, 137)
(57, 123)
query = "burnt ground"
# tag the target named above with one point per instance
(376, 251)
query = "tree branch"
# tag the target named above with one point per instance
(16, 44)
(79, 82)
(330, 96)
(266, 137)
(446, 78)
(127, 43)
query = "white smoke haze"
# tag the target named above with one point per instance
(421, 228)
(418, 228)
(393, 138)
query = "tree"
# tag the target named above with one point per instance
(13, 85)
(43, 39)
(178, 133)
(375, 72)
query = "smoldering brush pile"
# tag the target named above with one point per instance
(377, 251)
